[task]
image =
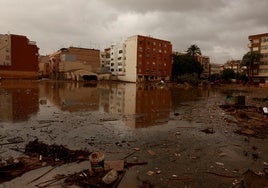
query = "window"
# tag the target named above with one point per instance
(120, 51)
(265, 39)
(119, 58)
(265, 55)
(255, 41)
(255, 49)
(264, 48)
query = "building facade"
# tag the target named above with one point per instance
(141, 58)
(18, 57)
(147, 59)
(259, 43)
(74, 63)
(43, 66)
(205, 63)
(117, 59)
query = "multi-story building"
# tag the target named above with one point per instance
(117, 59)
(259, 43)
(18, 57)
(141, 58)
(105, 61)
(215, 69)
(205, 63)
(74, 63)
(147, 59)
(43, 66)
(235, 65)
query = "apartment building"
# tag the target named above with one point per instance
(117, 59)
(205, 63)
(18, 57)
(259, 43)
(105, 61)
(43, 66)
(141, 58)
(74, 63)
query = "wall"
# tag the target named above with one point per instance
(5, 55)
(131, 60)
(24, 59)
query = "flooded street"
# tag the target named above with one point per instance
(162, 125)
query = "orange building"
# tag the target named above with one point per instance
(18, 57)
(154, 58)
(259, 43)
(146, 59)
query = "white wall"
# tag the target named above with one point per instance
(131, 60)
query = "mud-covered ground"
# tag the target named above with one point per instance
(197, 146)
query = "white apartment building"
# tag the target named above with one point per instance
(117, 59)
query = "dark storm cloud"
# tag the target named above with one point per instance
(219, 27)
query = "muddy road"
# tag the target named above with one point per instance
(183, 135)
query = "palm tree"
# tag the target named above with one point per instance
(249, 59)
(194, 50)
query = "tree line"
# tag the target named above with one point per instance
(186, 68)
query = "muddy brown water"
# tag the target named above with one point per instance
(158, 124)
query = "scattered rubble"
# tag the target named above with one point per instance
(251, 120)
(38, 154)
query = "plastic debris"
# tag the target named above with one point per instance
(110, 177)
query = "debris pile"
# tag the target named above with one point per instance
(251, 120)
(101, 173)
(37, 155)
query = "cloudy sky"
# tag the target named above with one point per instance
(219, 27)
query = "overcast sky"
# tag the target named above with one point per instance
(219, 27)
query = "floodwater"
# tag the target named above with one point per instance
(151, 123)
(22, 100)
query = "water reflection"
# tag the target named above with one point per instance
(141, 105)
(18, 100)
